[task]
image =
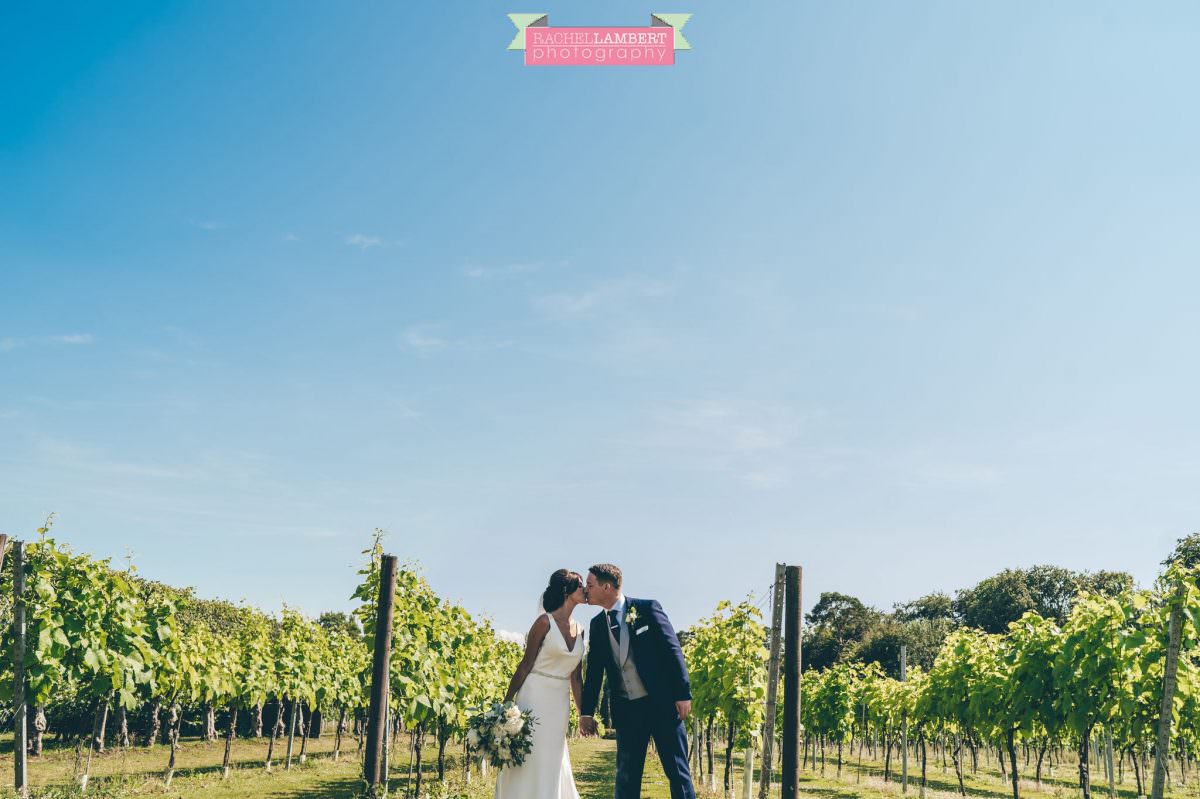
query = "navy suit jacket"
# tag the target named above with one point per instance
(656, 655)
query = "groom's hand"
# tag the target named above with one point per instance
(683, 708)
(587, 726)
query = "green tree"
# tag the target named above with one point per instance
(340, 621)
(836, 623)
(1049, 591)
(1186, 553)
(881, 643)
(931, 607)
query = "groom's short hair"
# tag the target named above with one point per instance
(607, 573)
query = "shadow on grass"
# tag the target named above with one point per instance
(595, 776)
(596, 771)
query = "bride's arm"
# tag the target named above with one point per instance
(533, 643)
(577, 686)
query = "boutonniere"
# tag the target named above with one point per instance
(631, 616)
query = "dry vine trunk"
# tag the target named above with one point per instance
(229, 742)
(175, 720)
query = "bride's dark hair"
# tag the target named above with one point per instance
(563, 583)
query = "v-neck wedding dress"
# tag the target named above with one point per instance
(546, 772)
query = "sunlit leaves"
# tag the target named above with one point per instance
(727, 659)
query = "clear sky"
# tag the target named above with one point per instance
(904, 292)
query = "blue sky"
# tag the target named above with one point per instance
(902, 292)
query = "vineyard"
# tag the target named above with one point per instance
(1089, 692)
(114, 660)
(103, 642)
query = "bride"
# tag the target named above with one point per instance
(549, 674)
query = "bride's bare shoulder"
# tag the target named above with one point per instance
(535, 636)
(541, 625)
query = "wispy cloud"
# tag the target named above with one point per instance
(70, 455)
(289, 531)
(289, 237)
(10, 343)
(363, 241)
(564, 306)
(420, 340)
(232, 491)
(939, 467)
(757, 444)
(890, 312)
(401, 408)
(761, 479)
(208, 224)
(426, 340)
(729, 426)
(507, 270)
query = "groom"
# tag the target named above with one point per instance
(651, 695)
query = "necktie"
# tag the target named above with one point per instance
(614, 625)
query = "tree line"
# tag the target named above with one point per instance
(841, 628)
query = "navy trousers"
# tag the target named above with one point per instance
(641, 720)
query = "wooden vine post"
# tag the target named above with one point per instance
(291, 733)
(1170, 675)
(20, 709)
(1108, 759)
(764, 782)
(790, 781)
(748, 772)
(904, 722)
(377, 718)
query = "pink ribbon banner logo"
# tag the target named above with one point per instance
(654, 45)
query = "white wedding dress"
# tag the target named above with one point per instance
(546, 772)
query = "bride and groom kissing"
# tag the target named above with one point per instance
(633, 646)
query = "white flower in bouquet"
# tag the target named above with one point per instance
(501, 734)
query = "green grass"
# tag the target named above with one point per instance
(138, 772)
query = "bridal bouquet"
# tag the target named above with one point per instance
(503, 734)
